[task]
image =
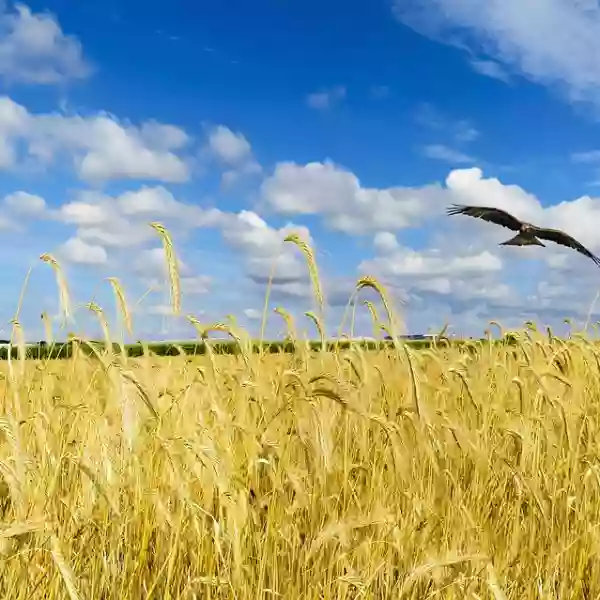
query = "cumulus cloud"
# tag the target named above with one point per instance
(76, 251)
(234, 151)
(337, 194)
(326, 98)
(35, 50)
(122, 221)
(551, 42)
(25, 204)
(385, 242)
(100, 147)
(232, 148)
(264, 249)
(433, 263)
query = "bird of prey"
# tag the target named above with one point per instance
(527, 234)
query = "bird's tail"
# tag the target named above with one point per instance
(522, 240)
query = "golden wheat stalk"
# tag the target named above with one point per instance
(48, 332)
(313, 270)
(311, 315)
(172, 266)
(63, 288)
(121, 303)
(92, 306)
(289, 322)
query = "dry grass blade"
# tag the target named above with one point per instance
(65, 570)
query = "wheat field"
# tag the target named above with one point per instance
(467, 472)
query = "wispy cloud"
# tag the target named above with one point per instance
(588, 157)
(551, 42)
(461, 130)
(378, 92)
(326, 98)
(447, 154)
(490, 68)
(457, 133)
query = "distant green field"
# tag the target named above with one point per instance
(61, 350)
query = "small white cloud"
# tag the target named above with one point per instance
(25, 204)
(326, 98)
(442, 152)
(490, 68)
(34, 49)
(148, 201)
(432, 264)
(253, 314)
(234, 150)
(195, 285)
(385, 242)
(588, 157)
(85, 214)
(76, 251)
(230, 147)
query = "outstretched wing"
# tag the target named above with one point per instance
(493, 215)
(560, 237)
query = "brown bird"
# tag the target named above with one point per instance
(527, 235)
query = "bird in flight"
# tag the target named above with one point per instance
(528, 234)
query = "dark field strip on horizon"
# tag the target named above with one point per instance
(62, 350)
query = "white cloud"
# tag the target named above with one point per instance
(385, 242)
(337, 194)
(85, 214)
(490, 68)
(152, 265)
(234, 150)
(326, 98)
(432, 264)
(195, 285)
(253, 314)
(263, 247)
(100, 146)
(552, 42)
(34, 49)
(461, 130)
(442, 152)
(75, 250)
(24, 203)
(230, 147)
(122, 221)
(148, 201)
(587, 157)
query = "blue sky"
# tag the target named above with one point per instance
(354, 125)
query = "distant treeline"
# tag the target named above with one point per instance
(61, 350)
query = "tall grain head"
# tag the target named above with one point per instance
(172, 266)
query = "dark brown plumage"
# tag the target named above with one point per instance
(528, 234)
